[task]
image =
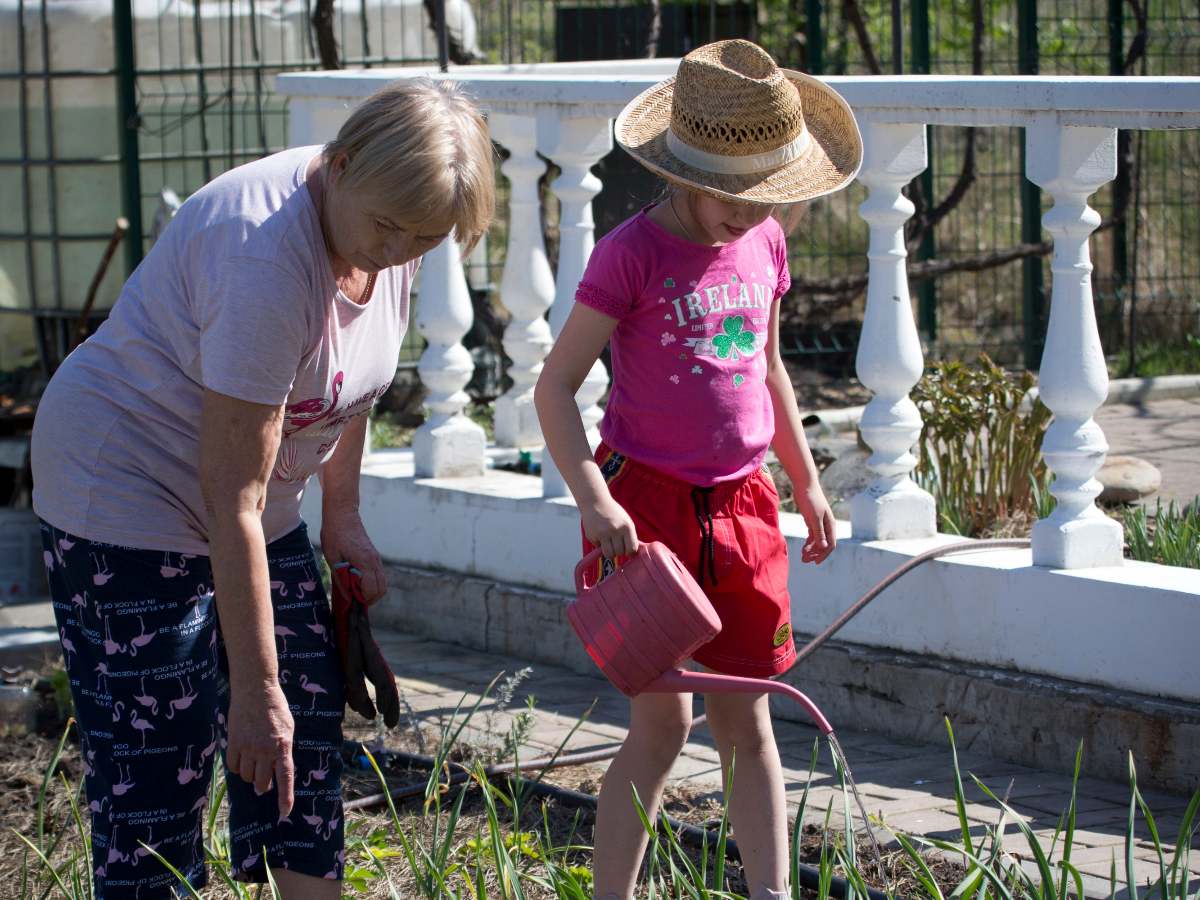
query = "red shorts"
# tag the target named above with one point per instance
(729, 537)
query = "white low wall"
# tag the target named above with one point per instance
(1133, 627)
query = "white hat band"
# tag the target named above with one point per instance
(738, 165)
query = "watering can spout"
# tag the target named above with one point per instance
(678, 681)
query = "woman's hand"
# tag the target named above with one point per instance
(260, 740)
(344, 539)
(822, 534)
(609, 527)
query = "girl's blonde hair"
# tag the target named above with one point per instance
(422, 145)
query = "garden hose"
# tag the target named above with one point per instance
(603, 754)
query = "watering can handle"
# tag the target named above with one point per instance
(581, 569)
(588, 561)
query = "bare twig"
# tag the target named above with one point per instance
(322, 23)
(655, 29)
(855, 18)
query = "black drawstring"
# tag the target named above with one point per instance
(704, 518)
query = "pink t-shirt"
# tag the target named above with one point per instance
(689, 394)
(237, 296)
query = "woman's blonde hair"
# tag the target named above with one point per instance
(422, 145)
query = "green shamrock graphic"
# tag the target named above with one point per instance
(738, 380)
(669, 282)
(735, 340)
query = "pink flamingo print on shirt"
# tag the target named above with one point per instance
(304, 413)
(287, 463)
(81, 600)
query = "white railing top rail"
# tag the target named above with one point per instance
(603, 88)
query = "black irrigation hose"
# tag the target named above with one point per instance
(694, 835)
(808, 876)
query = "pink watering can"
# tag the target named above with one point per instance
(639, 622)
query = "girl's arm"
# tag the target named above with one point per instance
(791, 447)
(605, 522)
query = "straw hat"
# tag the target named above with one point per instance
(734, 125)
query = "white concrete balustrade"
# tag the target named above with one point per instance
(564, 113)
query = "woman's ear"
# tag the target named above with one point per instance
(337, 166)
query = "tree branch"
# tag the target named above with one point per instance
(322, 23)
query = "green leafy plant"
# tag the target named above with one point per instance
(980, 444)
(1171, 537)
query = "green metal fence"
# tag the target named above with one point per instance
(107, 108)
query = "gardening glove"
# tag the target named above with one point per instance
(362, 659)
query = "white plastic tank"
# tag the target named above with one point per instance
(171, 37)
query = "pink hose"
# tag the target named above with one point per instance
(679, 681)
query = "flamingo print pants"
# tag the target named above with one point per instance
(148, 673)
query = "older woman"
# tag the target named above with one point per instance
(170, 453)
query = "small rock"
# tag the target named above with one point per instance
(1127, 479)
(844, 477)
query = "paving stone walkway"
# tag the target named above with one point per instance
(910, 786)
(1165, 433)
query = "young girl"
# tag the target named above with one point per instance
(688, 292)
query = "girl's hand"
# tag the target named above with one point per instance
(344, 539)
(608, 526)
(822, 533)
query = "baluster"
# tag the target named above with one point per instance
(527, 285)
(1071, 163)
(575, 145)
(448, 444)
(889, 359)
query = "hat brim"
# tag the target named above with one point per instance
(832, 161)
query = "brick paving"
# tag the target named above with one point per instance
(908, 785)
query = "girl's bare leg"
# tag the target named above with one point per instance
(658, 729)
(758, 809)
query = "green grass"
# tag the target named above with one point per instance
(1154, 360)
(1170, 537)
(503, 856)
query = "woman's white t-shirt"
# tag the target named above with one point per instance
(237, 296)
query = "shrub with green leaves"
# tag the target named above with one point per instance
(980, 446)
